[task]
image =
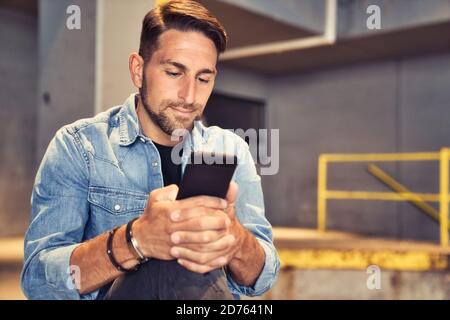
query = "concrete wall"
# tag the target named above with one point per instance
(240, 83)
(118, 33)
(67, 68)
(389, 105)
(423, 125)
(307, 14)
(386, 106)
(352, 15)
(395, 15)
(47, 80)
(18, 74)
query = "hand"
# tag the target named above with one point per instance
(154, 228)
(207, 250)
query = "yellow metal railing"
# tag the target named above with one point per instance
(396, 186)
(323, 194)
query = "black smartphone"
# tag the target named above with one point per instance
(202, 176)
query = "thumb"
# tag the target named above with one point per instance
(232, 193)
(168, 193)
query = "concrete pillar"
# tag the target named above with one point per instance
(118, 32)
(66, 68)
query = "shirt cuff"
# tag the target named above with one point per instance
(57, 274)
(265, 280)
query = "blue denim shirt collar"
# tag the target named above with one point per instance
(129, 128)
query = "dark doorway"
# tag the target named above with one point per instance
(230, 112)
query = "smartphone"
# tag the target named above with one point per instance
(201, 177)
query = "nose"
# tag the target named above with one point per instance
(187, 91)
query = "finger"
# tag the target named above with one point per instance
(194, 267)
(199, 268)
(219, 262)
(231, 212)
(196, 257)
(168, 193)
(184, 237)
(232, 193)
(202, 224)
(201, 201)
(186, 214)
(221, 244)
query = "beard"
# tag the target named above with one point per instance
(167, 121)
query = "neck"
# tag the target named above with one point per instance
(151, 129)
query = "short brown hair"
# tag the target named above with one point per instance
(182, 15)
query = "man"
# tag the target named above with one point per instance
(116, 172)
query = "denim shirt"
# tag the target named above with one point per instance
(97, 173)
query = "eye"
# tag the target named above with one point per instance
(173, 74)
(203, 80)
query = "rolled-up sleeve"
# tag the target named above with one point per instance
(250, 212)
(59, 212)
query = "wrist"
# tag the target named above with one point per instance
(121, 251)
(138, 234)
(133, 244)
(250, 253)
(242, 239)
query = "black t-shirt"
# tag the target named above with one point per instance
(171, 172)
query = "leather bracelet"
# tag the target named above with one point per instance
(110, 253)
(133, 244)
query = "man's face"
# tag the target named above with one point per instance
(179, 79)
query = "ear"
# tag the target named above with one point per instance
(136, 66)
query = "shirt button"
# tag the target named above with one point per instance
(142, 139)
(117, 207)
(155, 163)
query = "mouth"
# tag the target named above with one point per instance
(182, 111)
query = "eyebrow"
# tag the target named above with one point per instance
(184, 68)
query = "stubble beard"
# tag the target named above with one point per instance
(163, 119)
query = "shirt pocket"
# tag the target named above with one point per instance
(117, 202)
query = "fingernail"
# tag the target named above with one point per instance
(175, 252)
(223, 203)
(175, 238)
(175, 215)
(222, 260)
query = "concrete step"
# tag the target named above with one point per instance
(11, 259)
(341, 265)
(310, 249)
(340, 284)
(331, 265)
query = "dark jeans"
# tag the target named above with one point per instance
(167, 280)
